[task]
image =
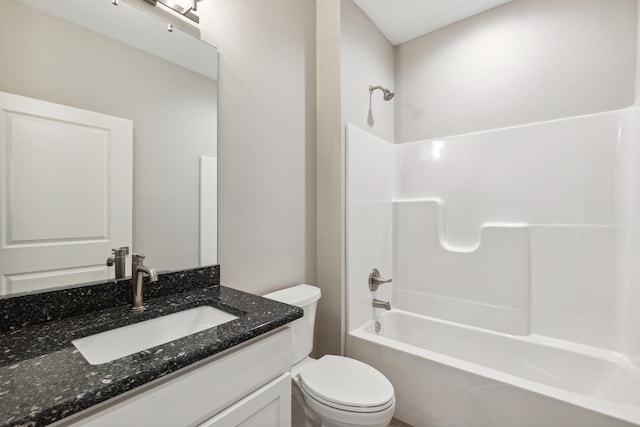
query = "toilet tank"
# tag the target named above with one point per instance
(305, 297)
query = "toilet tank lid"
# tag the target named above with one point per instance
(299, 295)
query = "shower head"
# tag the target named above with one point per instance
(387, 94)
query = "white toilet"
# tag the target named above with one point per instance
(333, 391)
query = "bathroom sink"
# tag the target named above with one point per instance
(116, 343)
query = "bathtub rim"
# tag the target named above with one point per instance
(624, 412)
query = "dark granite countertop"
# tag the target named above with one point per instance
(44, 378)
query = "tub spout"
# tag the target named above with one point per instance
(381, 304)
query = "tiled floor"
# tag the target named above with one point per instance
(398, 423)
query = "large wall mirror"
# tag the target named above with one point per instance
(115, 59)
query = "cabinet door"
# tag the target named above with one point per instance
(269, 406)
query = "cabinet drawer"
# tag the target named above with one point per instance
(269, 406)
(192, 395)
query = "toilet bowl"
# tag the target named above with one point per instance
(332, 391)
(339, 391)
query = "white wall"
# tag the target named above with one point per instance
(46, 58)
(637, 92)
(266, 194)
(329, 320)
(367, 59)
(523, 62)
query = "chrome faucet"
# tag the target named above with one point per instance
(381, 304)
(119, 259)
(375, 280)
(137, 274)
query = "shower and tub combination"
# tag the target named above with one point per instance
(513, 256)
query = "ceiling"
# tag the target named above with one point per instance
(403, 20)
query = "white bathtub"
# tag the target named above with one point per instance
(448, 374)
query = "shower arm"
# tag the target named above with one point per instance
(387, 94)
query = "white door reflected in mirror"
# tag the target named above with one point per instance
(66, 177)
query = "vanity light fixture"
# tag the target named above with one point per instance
(186, 8)
(114, 2)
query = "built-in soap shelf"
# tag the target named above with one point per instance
(436, 209)
(494, 283)
(487, 285)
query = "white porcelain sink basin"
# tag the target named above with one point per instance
(116, 343)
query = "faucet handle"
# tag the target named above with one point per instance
(375, 280)
(137, 258)
(123, 251)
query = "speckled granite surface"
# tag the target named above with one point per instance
(20, 310)
(43, 378)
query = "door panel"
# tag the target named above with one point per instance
(66, 177)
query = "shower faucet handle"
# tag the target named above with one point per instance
(375, 280)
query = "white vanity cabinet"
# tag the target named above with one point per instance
(249, 385)
(268, 406)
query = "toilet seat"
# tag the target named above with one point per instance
(347, 384)
(347, 408)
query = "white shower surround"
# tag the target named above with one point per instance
(527, 231)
